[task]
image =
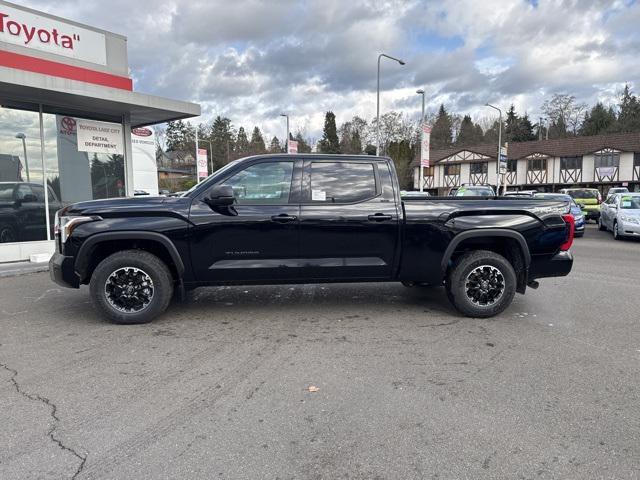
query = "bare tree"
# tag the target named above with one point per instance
(563, 110)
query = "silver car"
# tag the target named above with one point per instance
(620, 213)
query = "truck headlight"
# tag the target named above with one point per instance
(64, 225)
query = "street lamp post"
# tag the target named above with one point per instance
(287, 138)
(23, 137)
(499, 147)
(401, 62)
(421, 92)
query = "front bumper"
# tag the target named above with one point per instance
(591, 214)
(61, 270)
(629, 229)
(558, 265)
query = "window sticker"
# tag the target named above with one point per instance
(318, 195)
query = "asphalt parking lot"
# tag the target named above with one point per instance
(406, 388)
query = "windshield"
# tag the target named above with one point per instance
(474, 192)
(630, 203)
(583, 194)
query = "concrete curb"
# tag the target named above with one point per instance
(22, 268)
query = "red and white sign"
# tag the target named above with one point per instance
(292, 147)
(424, 146)
(29, 30)
(203, 169)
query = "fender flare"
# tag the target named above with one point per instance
(485, 232)
(84, 254)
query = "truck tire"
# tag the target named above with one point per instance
(131, 287)
(481, 284)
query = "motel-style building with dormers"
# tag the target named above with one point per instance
(600, 161)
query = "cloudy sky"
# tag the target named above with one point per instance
(251, 59)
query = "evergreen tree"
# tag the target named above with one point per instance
(221, 137)
(442, 131)
(468, 133)
(275, 147)
(180, 137)
(257, 146)
(242, 144)
(329, 142)
(350, 140)
(629, 116)
(491, 135)
(402, 153)
(303, 145)
(512, 124)
(558, 129)
(598, 120)
(525, 130)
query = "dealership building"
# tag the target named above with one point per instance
(71, 126)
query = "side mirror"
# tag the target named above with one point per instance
(29, 198)
(221, 196)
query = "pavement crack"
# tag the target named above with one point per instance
(51, 433)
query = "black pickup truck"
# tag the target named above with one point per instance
(280, 219)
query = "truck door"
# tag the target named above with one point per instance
(349, 222)
(257, 239)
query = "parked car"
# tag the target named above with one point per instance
(614, 190)
(23, 213)
(576, 211)
(589, 200)
(475, 191)
(621, 215)
(278, 219)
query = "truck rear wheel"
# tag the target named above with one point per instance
(130, 287)
(481, 284)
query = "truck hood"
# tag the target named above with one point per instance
(130, 206)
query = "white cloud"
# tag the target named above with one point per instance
(252, 59)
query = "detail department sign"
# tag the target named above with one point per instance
(99, 137)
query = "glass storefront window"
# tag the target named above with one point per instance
(74, 175)
(22, 205)
(67, 176)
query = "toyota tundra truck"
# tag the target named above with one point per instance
(308, 218)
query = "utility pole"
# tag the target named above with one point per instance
(287, 137)
(499, 147)
(421, 92)
(540, 129)
(401, 62)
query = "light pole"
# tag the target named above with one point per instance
(23, 137)
(499, 147)
(287, 138)
(401, 62)
(421, 92)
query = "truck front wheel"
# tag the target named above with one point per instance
(130, 287)
(481, 284)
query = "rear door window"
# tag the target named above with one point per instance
(342, 182)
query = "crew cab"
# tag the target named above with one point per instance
(284, 219)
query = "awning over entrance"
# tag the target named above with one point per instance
(20, 89)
